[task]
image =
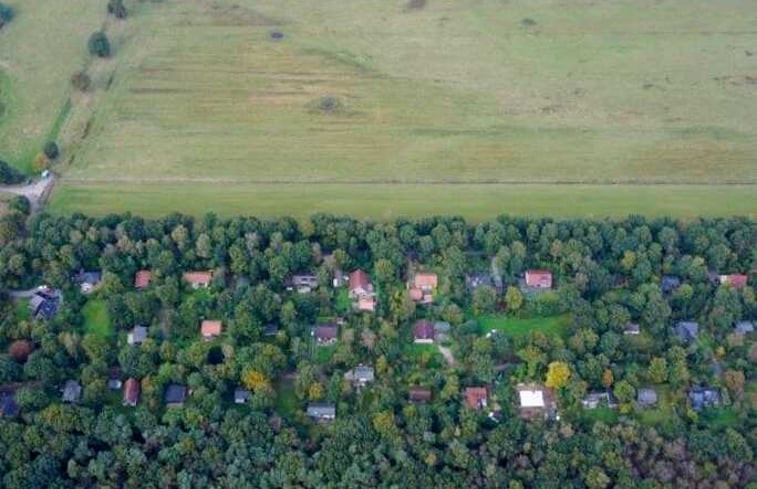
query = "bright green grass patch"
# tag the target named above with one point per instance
(720, 419)
(22, 310)
(603, 414)
(519, 327)
(324, 353)
(386, 202)
(343, 302)
(662, 412)
(96, 318)
(424, 355)
(287, 403)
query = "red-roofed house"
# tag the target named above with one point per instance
(360, 284)
(198, 279)
(422, 287)
(366, 303)
(539, 279)
(737, 281)
(142, 279)
(476, 397)
(423, 332)
(131, 392)
(211, 329)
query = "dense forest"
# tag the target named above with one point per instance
(609, 276)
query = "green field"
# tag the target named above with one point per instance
(587, 108)
(519, 327)
(39, 50)
(97, 319)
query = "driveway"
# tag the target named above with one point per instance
(36, 191)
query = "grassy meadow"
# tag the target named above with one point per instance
(515, 327)
(39, 50)
(475, 108)
(97, 319)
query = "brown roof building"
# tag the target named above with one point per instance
(198, 279)
(419, 394)
(360, 284)
(476, 397)
(131, 392)
(737, 281)
(210, 329)
(422, 287)
(539, 279)
(142, 279)
(423, 332)
(325, 334)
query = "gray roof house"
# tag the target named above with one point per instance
(593, 400)
(361, 375)
(71, 391)
(241, 395)
(632, 329)
(475, 280)
(44, 303)
(88, 280)
(137, 335)
(321, 411)
(175, 395)
(704, 397)
(687, 331)
(646, 397)
(744, 327)
(669, 283)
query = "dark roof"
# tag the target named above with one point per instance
(44, 304)
(476, 280)
(270, 329)
(423, 330)
(703, 397)
(93, 277)
(8, 406)
(419, 394)
(669, 283)
(687, 330)
(326, 332)
(176, 394)
(241, 395)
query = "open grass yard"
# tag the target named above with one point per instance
(527, 107)
(518, 327)
(39, 50)
(97, 319)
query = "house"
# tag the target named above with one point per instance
(9, 408)
(198, 280)
(632, 329)
(360, 285)
(536, 401)
(477, 280)
(131, 392)
(321, 411)
(422, 287)
(325, 334)
(210, 329)
(338, 278)
(45, 302)
(423, 332)
(539, 279)
(669, 283)
(302, 282)
(137, 335)
(441, 330)
(704, 397)
(175, 395)
(360, 375)
(114, 379)
(737, 281)
(142, 279)
(241, 396)
(593, 400)
(476, 397)
(419, 394)
(744, 327)
(687, 331)
(270, 329)
(366, 303)
(646, 397)
(88, 280)
(71, 391)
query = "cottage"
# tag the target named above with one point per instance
(360, 375)
(131, 392)
(423, 332)
(687, 331)
(142, 279)
(137, 335)
(71, 391)
(302, 283)
(477, 280)
(114, 379)
(536, 401)
(419, 394)
(632, 329)
(704, 397)
(737, 281)
(241, 396)
(321, 411)
(593, 400)
(646, 397)
(366, 303)
(669, 283)
(441, 330)
(198, 280)
(325, 334)
(476, 397)
(45, 302)
(175, 395)
(88, 281)
(270, 329)
(539, 279)
(210, 329)
(744, 327)
(9, 408)
(360, 285)
(422, 287)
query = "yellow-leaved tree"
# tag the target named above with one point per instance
(558, 375)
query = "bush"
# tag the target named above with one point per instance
(99, 45)
(6, 14)
(117, 9)
(81, 81)
(9, 175)
(51, 150)
(20, 204)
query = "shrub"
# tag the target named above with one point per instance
(416, 4)
(99, 45)
(9, 175)
(81, 81)
(51, 150)
(6, 14)
(117, 9)
(20, 204)
(20, 350)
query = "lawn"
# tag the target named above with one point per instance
(601, 109)
(663, 412)
(323, 354)
(96, 318)
(423, 354)
(287, 403)
(39, 50)
(518, 327)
